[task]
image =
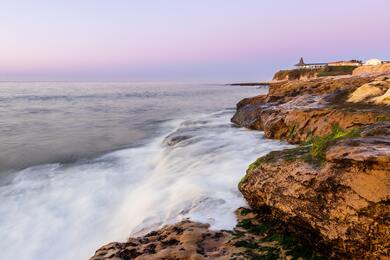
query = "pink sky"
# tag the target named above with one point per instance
(183, 40)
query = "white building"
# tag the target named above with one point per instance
(302, 65)
(373, 62)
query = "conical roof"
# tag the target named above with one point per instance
(300, 63)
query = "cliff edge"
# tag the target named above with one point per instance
(328, 198)
(336, 183)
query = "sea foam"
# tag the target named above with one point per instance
(67, 211)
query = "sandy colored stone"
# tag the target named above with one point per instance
(372, 70)
(383, 99)
(185, 240)
(346, 200)
(377, 91)
(297, 111)
(256, 236)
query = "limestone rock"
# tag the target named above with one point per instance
(377, 91)
(256, 236)
(346, 201)
(185, 240)
(372, 70)
(297, 111)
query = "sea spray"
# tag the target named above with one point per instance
(66, 211)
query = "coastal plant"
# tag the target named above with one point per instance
(293, 248)
(250, 169)
(296, 74)
(320, 144)
(313, 151)
(287, 154)
(293, 131)
(383, 118)
(337, 71)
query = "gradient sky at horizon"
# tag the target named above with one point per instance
(175, 40)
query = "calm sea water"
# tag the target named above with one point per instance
(83, 164)
(63, 122)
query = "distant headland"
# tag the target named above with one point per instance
(327, 198)
(305, 71)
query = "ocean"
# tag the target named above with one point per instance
(85, 163)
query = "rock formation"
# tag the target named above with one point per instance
(327, 198)
(337, 183)
(377, 91)
(346, 199)
(372, 70)
(256, 236)
(298, 111)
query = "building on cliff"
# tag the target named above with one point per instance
(302, 65)
(355, 63)
(375, 62)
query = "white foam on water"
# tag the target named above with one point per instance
(68, 211)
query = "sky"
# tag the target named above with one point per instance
(178, 40)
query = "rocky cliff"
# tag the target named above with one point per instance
(257, 236)
(343, 195)
(327, 198)
(307, 74)
(336, 184)
(298, 111)
(372, 70)
(296, 74)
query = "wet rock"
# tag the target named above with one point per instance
(256, 236)
(380, 128)
(345, 201)
(300, 123)
(298, 118)
(173, 140)
(185, 240)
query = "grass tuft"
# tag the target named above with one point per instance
(320, 144)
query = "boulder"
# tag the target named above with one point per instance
(345, 200)
(256, 236)
(377, 92)
(305, 117)
(298, 111)
(372, 70)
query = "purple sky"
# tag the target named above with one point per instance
(176, 40)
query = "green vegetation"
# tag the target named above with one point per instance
(312, 151)
(287, 154)
(264, 238)
(320, 144)
(336, 71)
(255, 229)
(292, 246)
(245, 212)
(383, 118)
(293, 131)
(296, 74)
(246, 244)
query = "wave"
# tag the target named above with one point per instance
(66, 211)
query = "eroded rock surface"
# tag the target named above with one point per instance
(256, 236)
(298, 111)
(377, 92)
(346, 199)
(372, 70)
(330, 195)
(185, 240)
(338, 185)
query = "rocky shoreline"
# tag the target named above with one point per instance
(327, 198)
